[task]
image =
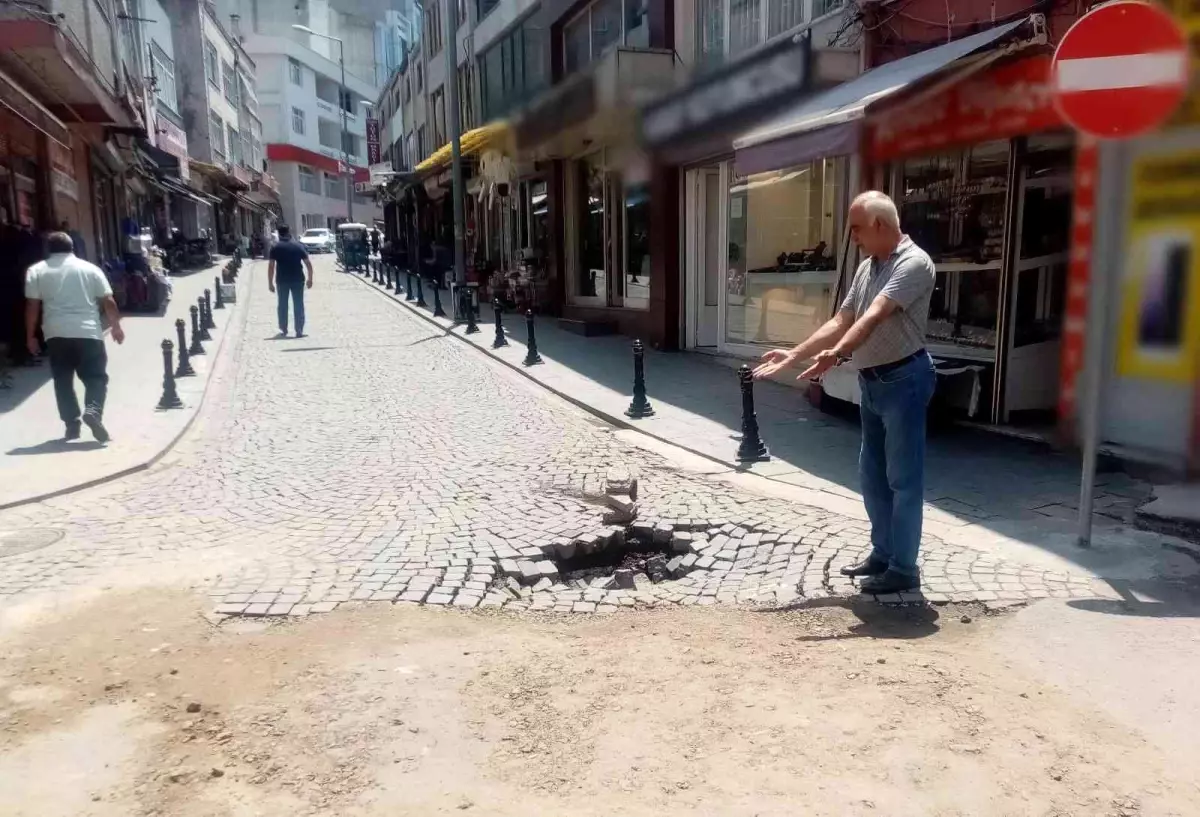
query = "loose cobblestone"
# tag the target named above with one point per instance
(378, 461)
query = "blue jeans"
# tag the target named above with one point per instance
(285, 286)
(891, 463)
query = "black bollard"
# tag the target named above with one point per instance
(640, 406)
(499, 340)
(438, 312)
(375, 271)
(220, 304)
(387, 271)
(203, 329)
(752, 449)
(531, 351)
(408, 286)
(469, 304)
(196, 348)
(209, 323)
(170, 398)
(420, 290)
(184, 369)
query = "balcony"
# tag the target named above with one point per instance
(65, 50)
(596, 104)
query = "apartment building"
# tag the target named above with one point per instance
(314, 135)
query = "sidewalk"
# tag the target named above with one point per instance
(1009, 497)
(36, 463)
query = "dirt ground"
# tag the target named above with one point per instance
(137, 705)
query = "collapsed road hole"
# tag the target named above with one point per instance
(624, 563)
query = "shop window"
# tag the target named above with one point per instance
(783, 233)
(589, 220)
(953, 206)
(637, 246)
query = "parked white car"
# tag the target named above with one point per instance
(318, 239)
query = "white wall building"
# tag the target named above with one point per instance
(299, 78)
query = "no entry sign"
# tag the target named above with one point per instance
(1121, 70)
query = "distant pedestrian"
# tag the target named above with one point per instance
(288, 262)
(881, 326)
(70, 293)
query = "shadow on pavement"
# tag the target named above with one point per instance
(1146, 599)
(21, 382)
(56, 446)
(310, 349)
(875, 620)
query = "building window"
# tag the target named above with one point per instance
(350, 145)
(437, 107)
(294, 72)
(466, 97)
(784, 15)
(785, 221)
(308, 180)
(420, 78)
(636, 245)
(335, 186)
(164, 77)
(234, 141)
(462, 12)
(298, 121)
(603, 26)
(514, 69)
(229, 82)
(212, 65)
(484, 7)
(216, 133)
(433, 26)
(821, 7)
(422, 142)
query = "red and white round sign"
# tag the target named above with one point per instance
(1121, 70)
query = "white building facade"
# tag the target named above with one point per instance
(311, 133)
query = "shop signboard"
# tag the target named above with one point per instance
(372, 141)
(1159, 330)
(1121, 70)
(739, 93)
(1011, 99)
(62, 170)
(173, 140)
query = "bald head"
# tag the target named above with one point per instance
(875, 223)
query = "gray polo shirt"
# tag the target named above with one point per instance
(907, 277)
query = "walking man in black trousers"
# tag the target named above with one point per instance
(69, 294)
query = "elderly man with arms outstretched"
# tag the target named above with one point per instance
(881, 328)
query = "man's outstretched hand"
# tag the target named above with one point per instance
(774, 361)
(823, 362)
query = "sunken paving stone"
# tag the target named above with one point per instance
(434, 477)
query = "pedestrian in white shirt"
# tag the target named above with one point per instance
(69, 293)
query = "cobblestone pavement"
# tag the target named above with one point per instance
(378, 460)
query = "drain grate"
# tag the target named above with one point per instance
(14, 543)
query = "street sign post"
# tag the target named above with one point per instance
(1121, 70)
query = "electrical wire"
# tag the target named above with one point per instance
(1038, 5)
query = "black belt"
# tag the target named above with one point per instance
(876, 372)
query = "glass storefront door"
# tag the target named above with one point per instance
(705, 256)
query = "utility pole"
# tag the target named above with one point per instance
(456, 175)
(342, 103)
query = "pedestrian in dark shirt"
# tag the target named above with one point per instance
(288, 262)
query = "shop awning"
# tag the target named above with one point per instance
(245, 201)
(470, 143)
(827, 124)
(182, 189)
(14, 97)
